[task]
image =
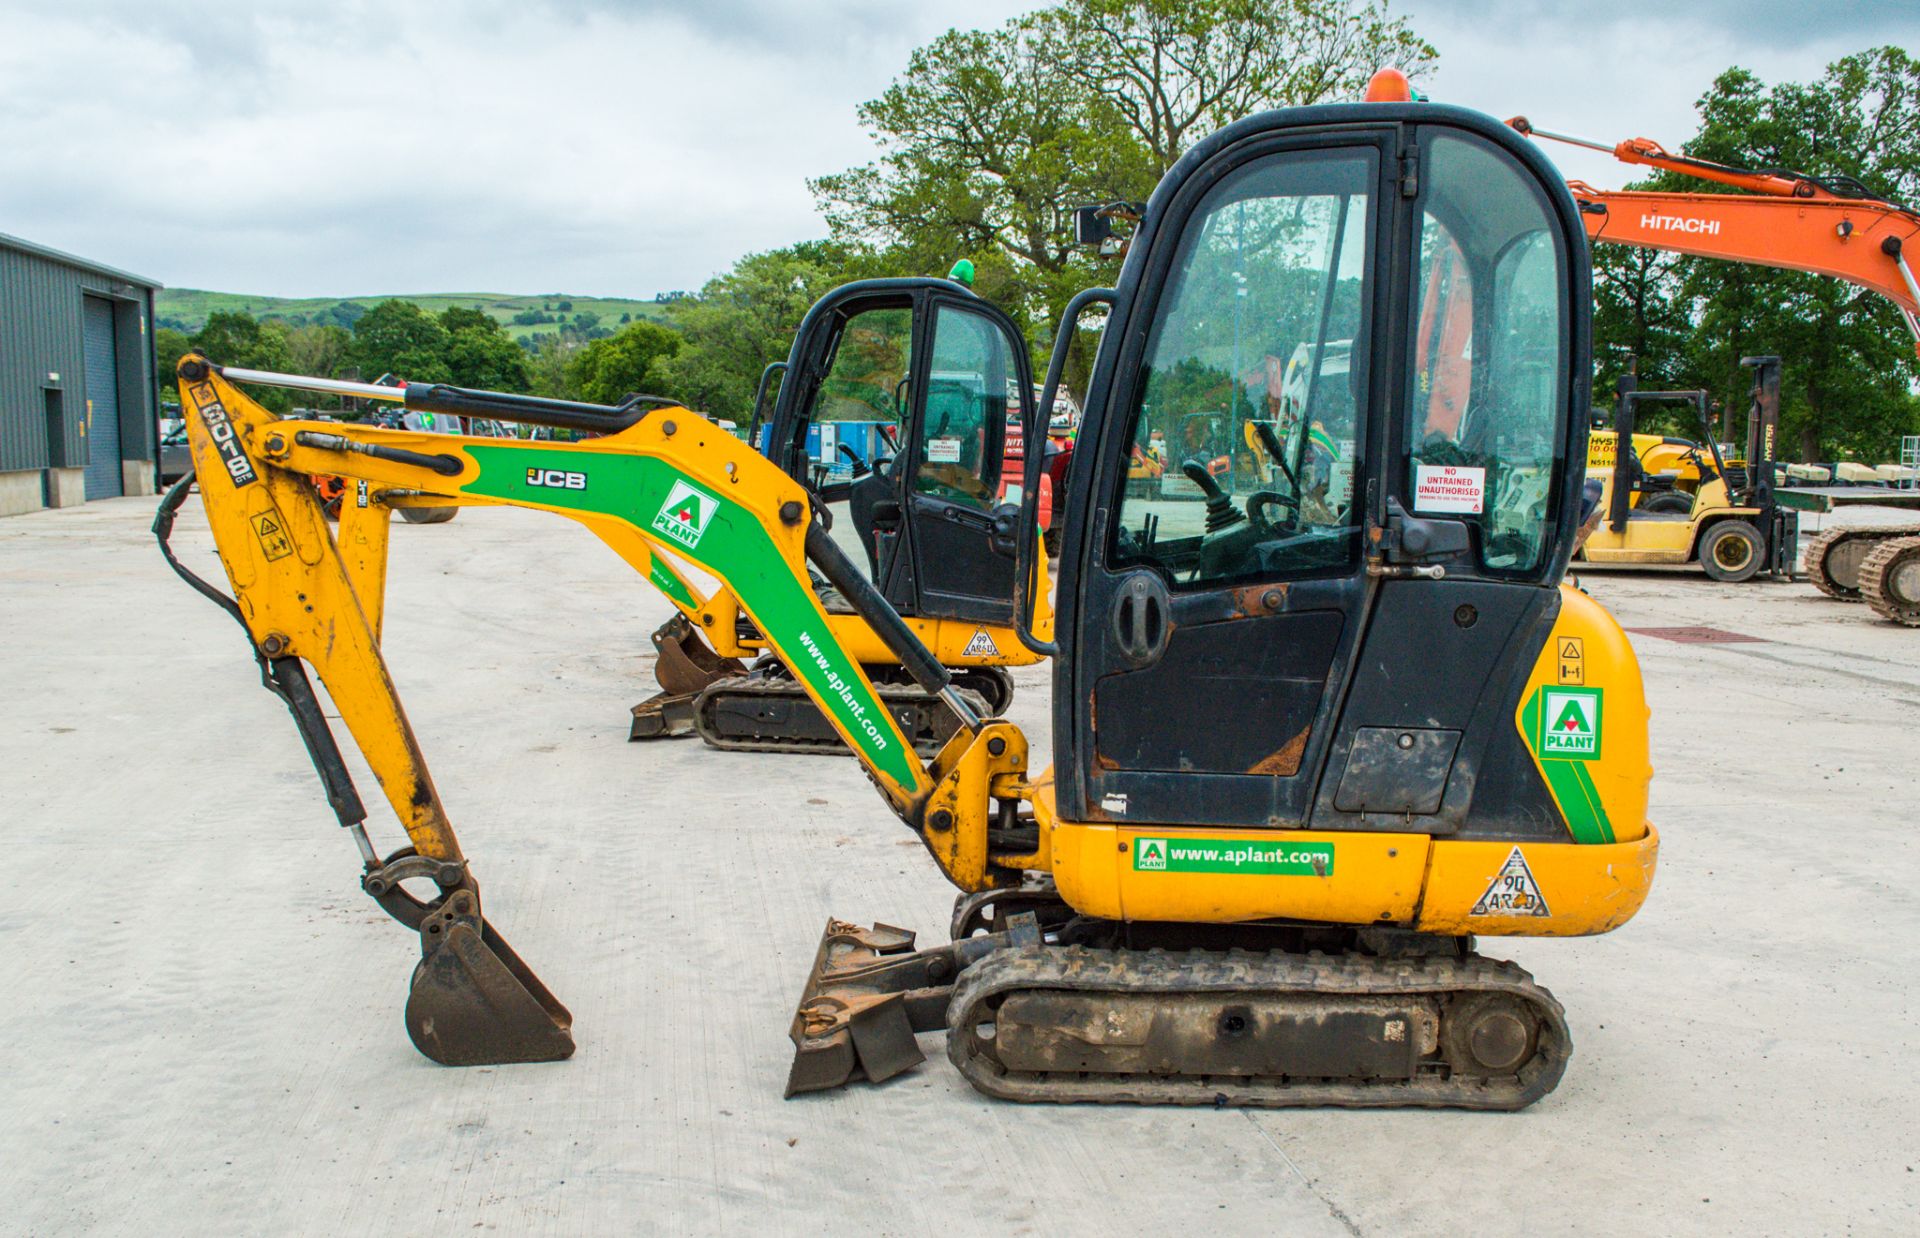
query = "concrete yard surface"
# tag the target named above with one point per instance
(201, 1029)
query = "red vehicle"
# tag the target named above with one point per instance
(1062, 426)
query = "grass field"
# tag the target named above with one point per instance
(187, 308)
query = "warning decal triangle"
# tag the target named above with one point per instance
(1514, 892)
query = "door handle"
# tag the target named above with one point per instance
(1140, 619)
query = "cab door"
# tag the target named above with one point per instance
(976, 367)
(1311, 614)
(918, 372)
(1221, 596)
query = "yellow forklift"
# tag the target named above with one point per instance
(1730, 523)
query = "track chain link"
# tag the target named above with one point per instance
(1084, 970)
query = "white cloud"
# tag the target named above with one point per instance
(1633, 68)
(587, 148)
(593, 146)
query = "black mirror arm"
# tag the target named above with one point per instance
(1029, 528)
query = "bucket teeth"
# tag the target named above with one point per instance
(473, 1002)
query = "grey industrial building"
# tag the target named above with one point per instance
(77, 413)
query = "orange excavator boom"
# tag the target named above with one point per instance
(1787, 220)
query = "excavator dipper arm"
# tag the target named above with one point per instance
(660, 479)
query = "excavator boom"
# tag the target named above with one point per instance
(660, 481)
(1787, 220)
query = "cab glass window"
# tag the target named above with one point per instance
(867, 380)
(1484, 434)
(1247, 425)
(965, 419)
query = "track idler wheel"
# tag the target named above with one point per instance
(473, 1002)
(1890, 579)
(1489, 1034)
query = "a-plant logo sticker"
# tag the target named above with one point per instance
(684, 516)
(1150, 854)
(1570, 723)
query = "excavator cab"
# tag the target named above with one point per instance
(906, 382)
(932, 368)
(1417, 511)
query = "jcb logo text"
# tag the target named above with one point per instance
(556, 479)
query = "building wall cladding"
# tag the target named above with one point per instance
(41, 308)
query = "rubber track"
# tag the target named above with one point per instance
(933, 724)
(1874, 571)
(1077, 969)
(1814, 560)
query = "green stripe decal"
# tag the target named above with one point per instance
(720, 536)
(665, 580)
(1568, 780)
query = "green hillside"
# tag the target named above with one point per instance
(186, 309)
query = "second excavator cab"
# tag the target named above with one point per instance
(936, 367)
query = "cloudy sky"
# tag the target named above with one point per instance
(623, 147)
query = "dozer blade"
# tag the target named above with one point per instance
(685, 667)
(473, 1002)
(868, 994)
(661, 715)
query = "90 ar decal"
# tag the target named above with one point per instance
(556, 479)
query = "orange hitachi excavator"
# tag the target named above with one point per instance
(1833, 226)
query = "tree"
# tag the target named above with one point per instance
(1642, 320)
(233, 338)
(323, 351)
(400, 338)
(608, 370)
(169, 346)
(1176, 70)
(743, 320)
(991, 139)
(549, 368)
(456, 317)
(486, 357)
(1848, 361)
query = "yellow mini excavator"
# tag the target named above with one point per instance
(935, 538)
(1318, 726)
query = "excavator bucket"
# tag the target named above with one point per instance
(473, 1002)
(685, 666)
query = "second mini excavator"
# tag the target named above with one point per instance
(1316, 732)
(901, 352)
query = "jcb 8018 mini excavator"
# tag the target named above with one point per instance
(1318, 724)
